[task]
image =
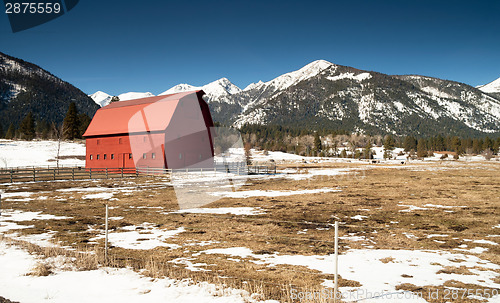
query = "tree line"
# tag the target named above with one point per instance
(341, 143)
(72, 127)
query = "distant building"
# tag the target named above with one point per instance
(169, 131)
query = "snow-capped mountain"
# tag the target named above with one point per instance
(134, 95)
(284, 81)
(492, 87)
(329, 96)
(103, 99)
(325, 95)
(216, 91)
(179, 88)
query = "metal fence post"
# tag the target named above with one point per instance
(106, 240)
(73, 173)
(34, 175)
(336, 286)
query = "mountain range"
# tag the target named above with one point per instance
(329, 96)
(26, 87)
(321, 95)
(492, 88)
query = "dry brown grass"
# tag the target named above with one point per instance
(462, 270)
(377, 193)
(41, 269)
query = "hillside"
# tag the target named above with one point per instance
(26, 87)
(323, 95)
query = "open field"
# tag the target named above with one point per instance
(422, 227)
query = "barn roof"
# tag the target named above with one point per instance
(135, 116)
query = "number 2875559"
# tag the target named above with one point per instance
(32, 8)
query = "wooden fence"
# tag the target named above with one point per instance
(234, 169)
(63, 173)
(34, 174)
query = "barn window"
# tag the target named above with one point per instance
(180, 155)
(91, 157)
(97, 157)
(153, 156)
(199, 157)
(98, 141)
(130, 156)
(112, 156)
(105, 156)
(144, 156)
(119, 140)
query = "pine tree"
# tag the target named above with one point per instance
(388, 146)
(440, 143)
(496, 146)
(11, 132)
(71, 123)
(84, 123)
(476, 148)
(456, 145)
(389, 142)
(410, 144)
(487, 144)
(421, 148)
(367, 152)
(27, 127)
(1, 130)
(317, 143)
(45, 129)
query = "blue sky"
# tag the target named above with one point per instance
(119, 46)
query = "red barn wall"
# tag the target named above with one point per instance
(117, 151)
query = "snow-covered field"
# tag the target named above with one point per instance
(15, 153)
(417, 267)
(376, 270)
(101, 285)
(39, 153)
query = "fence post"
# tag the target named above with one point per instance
(90, 173)
(106, 239)
(54, 174)
(336, 286)
(34, 175)
(11, 172)
(73, 173)
(121, 168)
(107, 172)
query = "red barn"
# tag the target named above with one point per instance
(169, 131)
